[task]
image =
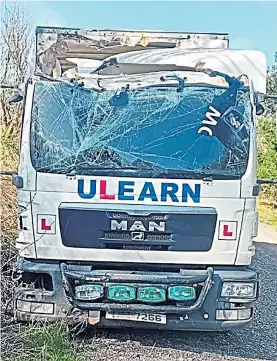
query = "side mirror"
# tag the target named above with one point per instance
(16, 98)
(260, 98)
(17, 181)
(259, 109)
(18, 92)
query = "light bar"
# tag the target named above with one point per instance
(89, 292)
(127, 293)
(181, 293)
(123, 293)
(151, 294)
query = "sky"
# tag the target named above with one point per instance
(251, 25)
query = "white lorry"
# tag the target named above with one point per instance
(137, 181)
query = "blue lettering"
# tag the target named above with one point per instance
(195, 195)
(92, 191)
(122, 189)
(148, 187)
(169, 189)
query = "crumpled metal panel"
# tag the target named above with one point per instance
(57, 44)
(232, 62)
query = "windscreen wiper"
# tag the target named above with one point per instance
(71, 171)
(192, 174)
(181, 81)
(231, 80)
(137, 165)
(212, 73)
(153, 171)
(71, 82)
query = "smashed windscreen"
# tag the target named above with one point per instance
(146, 132)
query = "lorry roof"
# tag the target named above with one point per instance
(61, 44)
(66, 50)
(48, 29)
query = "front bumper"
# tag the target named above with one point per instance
(59, 302)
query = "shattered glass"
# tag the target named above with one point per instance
(148, 132)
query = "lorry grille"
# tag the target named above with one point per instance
(190, 230)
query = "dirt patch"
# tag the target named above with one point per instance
(266, 234)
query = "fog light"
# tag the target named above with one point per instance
(226, 315)
(35, 307)
(151, 294)
(181, 293)
(244, 314)
(121, 293)
(233, 315)
(239, 289)
(89, 292)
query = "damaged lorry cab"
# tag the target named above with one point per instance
(137, 180)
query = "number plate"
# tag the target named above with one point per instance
(141, 317)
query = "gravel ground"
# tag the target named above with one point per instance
(258, 342)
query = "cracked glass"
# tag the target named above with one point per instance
(155, 131)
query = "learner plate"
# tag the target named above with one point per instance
(141, 317)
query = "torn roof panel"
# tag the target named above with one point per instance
(232, 62)
(65, 52)
(59, 44)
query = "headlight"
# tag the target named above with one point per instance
(239, 289)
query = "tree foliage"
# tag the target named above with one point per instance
(15, 43)
(270, 104)
(267, 141)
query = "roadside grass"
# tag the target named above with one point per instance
(267, 212)
(34, 341)
(44, 343)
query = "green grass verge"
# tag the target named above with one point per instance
(267, 213)
(47, 343)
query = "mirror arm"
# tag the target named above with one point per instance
(267, 181)
(4, 86)
(270, 96)
(262, 97)
(11, 173)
